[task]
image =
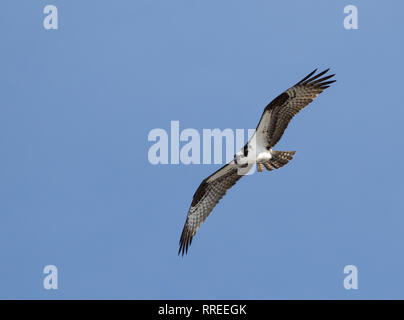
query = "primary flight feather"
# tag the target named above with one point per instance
(258, 150)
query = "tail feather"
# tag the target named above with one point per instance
(280, 158)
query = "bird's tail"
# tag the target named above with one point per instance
(279, 159)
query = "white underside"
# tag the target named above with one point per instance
(257, 152)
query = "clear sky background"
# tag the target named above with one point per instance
(77, 190)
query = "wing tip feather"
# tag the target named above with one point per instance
(316, 80)
(185, 242)
(308, 76)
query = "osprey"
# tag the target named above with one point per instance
(258, 150)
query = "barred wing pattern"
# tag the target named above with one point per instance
(210, 191)
(279, 112)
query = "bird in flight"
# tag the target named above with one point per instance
(258, 150)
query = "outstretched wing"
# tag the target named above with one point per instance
(210, 191)
(283, 108)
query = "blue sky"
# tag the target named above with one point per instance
(77, 190)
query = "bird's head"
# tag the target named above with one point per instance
(240, 158)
